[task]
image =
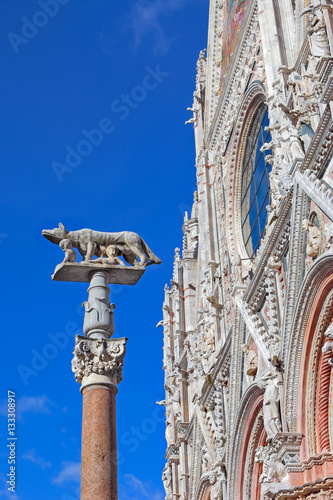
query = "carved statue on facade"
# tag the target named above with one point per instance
(271, 404)
(205, 461)
(271, 215)
(215, 481)
(274, 263)
(214, 292)
(168, 426)
(251, 360)
(272, 467)
(328, 236)
(174, 399)
(317, 31)
(276, 193)
(206, 365)
(209, 337)
(328, 346)
(167, 480)
(295, 143)
(314, 239)
(237, 268)
(89, 243)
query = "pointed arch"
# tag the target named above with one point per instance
(316, 285)
(203, 489)
(308, 374)
(248, 435)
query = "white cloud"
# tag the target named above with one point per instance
(32, 456)
(8, 495)
(145, 18)
(29, 404)
(4, 493)
(70, 472)
(134, 489)
(34, 404)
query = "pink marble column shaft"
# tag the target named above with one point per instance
(99, 444)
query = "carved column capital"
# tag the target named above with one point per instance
(98, 361)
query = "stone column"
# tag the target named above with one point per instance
(174, 461)
(97, 365)
(99, 444)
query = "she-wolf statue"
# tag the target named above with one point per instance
(90, 243)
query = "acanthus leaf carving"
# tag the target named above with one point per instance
(99, 356)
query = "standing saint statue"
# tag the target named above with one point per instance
(167, 480)
(271, 405)
(317, 31)
(314, 238)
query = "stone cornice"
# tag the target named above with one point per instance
(305, 490)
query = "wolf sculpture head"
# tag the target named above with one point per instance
(55, 235)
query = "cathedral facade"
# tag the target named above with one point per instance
(248, 317)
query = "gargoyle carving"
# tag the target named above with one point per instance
(89, 243)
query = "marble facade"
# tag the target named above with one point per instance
(248, 350)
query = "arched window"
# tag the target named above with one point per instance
(255, 182)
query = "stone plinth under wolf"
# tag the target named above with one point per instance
(98, 359)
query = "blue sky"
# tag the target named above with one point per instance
(120, 75)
